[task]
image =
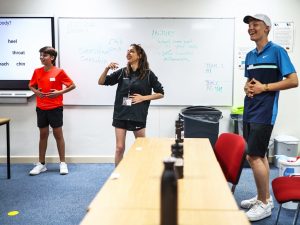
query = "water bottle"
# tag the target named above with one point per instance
(177, 153)
(179, 133)
(181, 127)
(168, 194)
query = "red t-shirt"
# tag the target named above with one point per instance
(55, 78)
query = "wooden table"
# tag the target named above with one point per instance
(6, 122)
(202, 192)
(152, 217)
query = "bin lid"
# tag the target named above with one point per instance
(238, 117)
(287, 139)
(202, 113)
(289, 163)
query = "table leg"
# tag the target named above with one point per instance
(8, 150)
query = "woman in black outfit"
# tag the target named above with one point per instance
(133, 95)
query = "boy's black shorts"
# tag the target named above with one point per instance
(52, 117)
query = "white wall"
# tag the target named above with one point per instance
(88, 131)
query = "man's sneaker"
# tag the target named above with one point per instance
(63, 168)
(259, 211)
(39, 168)
(247, 204)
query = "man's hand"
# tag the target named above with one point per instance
(254, 87)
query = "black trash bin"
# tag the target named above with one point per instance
(201, 122)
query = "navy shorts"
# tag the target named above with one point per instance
(129, 125)
(52, 117)
(257, 137)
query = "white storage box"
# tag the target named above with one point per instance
(285, 145)
(286, 169)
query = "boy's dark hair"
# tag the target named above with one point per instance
(51, 51)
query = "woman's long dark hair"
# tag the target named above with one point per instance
(143, 66)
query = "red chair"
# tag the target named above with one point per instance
(230, 150)
(287, 189)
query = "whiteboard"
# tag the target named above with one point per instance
(192, 57)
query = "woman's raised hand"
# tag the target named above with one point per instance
(113, 66)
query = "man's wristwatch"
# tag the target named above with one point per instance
(266, 87)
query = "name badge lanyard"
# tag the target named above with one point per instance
(132, 79)
(127, 101)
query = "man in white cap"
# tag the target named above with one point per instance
(268, 70)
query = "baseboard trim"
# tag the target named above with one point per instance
(55, 159)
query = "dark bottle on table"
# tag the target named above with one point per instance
(179, 133)
(168, 194)
(177, 153)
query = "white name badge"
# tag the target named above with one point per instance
(127, 101)
(52, 78)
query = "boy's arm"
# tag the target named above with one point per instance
(36, 91)
(54, 93)
(69, 88)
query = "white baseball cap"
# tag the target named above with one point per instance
(261, 17)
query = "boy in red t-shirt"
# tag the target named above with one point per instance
(47, 84)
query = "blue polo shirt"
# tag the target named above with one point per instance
(268, 66)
